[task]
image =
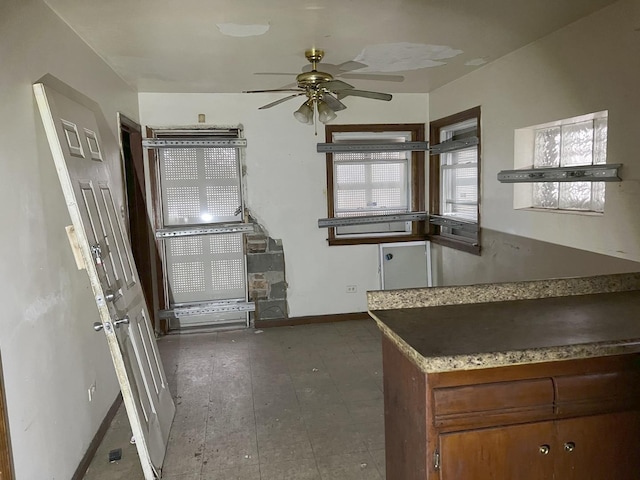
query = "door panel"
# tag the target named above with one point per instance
(601, 447)
(403, 265)
(506, 453)
(78, 152)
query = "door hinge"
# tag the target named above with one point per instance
(96, 251)
(436, 460)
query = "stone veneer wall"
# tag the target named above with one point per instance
(266, 276)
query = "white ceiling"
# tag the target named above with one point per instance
(219, 45)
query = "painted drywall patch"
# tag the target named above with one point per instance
(237, 30)
(397, 57)
(475, 62)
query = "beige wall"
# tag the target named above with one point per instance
(286, 185)
(589, 66)
(510, 258)
(50, 353)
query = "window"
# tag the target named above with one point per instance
(570, 143)
(454, 188)
(383, 182)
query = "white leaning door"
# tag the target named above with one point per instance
(78, 152)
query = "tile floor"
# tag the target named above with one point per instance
(290, 403)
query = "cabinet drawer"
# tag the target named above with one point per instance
(598, 392)
(493, 403)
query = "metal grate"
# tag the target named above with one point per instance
(220, 244)
(180, 163)
(185, 246)
(220, 163)
(227, 274)
(188, 277)
(182, 202)
(222, 200)
(201, 196)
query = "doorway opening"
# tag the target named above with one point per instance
(201, 224)
(139, 225)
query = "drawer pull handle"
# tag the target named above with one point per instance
(544, 449)
(569, 447)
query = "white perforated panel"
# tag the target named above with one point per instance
(225, 244)
(220, 163)
(187, 277)
(182, 203)
(208, 177)
(185, 246)
(206, 268)
(222, 200)
(227, 274)
(180, 163)
(202, 186)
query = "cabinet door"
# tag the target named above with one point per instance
(523, 452)
(600, 447)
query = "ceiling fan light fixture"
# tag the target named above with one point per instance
(325, 114)
(304, 114)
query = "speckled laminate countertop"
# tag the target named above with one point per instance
(496, 292)
(499, 333)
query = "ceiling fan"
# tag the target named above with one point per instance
(323, 91)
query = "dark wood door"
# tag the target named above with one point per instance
(523, 452)
(140, 229)
(601, 447)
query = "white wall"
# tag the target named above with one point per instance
(286, 185)
(50, 353)
(589, 66)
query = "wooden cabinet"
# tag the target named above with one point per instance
(563, 420)
(586, 448)
(598, 447)
(518, 452)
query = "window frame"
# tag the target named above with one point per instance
(561, 124)
(435, 233)
(417, 183)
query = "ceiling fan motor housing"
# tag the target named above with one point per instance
(312, 78)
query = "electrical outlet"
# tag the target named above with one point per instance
(91, 391)
(352, 288)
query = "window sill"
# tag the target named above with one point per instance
(455, 243)
(588, 213)
(375, 240)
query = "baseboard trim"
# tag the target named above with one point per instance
(97, 439)
(291, 322)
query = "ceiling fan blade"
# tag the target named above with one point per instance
(336, 85)
(333, 103)
(273, 90)
(373, 76)
(275, 73)
(363, 93)
(282, 100)
(351, 65)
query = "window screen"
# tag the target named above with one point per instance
(459, 175)
(372, 183)
(454, 188)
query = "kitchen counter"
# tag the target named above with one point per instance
(523, 380)
(482, 335)
(486, 325)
